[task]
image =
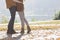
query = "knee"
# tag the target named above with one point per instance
(12, 17)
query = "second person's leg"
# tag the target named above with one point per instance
(21, 15)
(28, 27)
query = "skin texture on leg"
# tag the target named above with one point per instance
(21, 15)
(23, 20)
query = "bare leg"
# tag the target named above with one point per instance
(22, 21)
(28, 27)
(22, 17)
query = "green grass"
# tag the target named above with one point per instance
(18, 26)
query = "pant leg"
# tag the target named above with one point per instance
(11, 22)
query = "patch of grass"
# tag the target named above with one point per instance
(50, 22)
(33, 27)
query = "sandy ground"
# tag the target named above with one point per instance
(34, 35)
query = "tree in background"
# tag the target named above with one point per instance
(33, 19)
(57, 16)
(4, 19)
(16, 21)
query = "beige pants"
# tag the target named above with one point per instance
(23, 20)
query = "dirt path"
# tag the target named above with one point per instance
(34, 35)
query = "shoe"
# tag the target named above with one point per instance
(11, 32)
(28, 31)
(22, 32)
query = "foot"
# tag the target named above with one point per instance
(28, 31)
(22, 32)
(11, 32)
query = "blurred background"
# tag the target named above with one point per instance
(35, 10)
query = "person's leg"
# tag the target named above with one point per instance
(11, 22)
(22, 21)
(22, 16)
(28, 27)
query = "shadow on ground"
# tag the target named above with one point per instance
(9, 37)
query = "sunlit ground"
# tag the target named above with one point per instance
(48, 30)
